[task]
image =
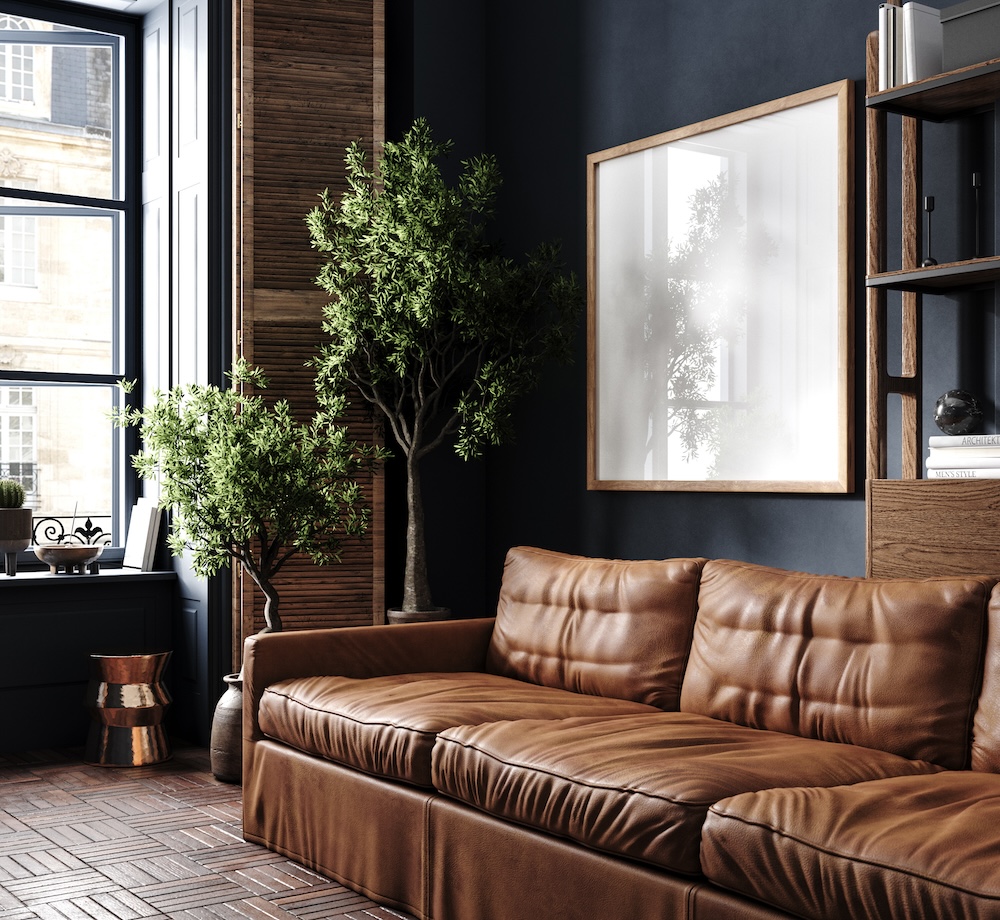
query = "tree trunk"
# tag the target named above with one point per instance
(272, 620)
(416, 589)
(271, 617)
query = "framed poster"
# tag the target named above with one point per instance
(720, 300)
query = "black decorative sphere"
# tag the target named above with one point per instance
(957, 412)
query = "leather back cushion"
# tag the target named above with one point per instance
(986, 729)
(599, 626)
(888, 664)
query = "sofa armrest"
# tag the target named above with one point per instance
(359, 651)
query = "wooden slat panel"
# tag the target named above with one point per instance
(340, 594)
(313, 94)
(310, 81)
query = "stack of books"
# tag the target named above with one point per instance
(909, 43)
(963, 456)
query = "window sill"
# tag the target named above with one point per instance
(45, 577)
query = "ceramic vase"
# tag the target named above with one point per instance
(226, 746)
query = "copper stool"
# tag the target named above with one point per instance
(127, 700)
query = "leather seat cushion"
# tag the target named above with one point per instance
(386, 726)
(636, 785)
(910, 847)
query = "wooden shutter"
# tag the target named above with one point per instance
(309, 80)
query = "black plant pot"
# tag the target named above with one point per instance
(15, 535)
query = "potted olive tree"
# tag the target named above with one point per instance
(428, 320)
(247, 483)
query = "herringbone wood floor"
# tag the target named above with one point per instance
(81, 842)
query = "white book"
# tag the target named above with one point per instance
(922, 41)
(983, 450)
(961, 460)
(964, 440)
(971, 473)
(140, 541)
(887, 17)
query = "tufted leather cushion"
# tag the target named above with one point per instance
(986, 728)
(640, 785)
(888, 664)
(914, 847)
(386, 726)
(605, 627)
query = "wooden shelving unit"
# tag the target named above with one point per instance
(918, 527)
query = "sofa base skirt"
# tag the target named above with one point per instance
(437, 859)
(363, 832)
(492, 870)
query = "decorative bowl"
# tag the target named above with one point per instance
(74, 558)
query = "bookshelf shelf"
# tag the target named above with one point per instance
(942, 96)
(938, 279)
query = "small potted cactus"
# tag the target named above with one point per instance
(15, 523)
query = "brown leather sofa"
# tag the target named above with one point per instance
(644, 739)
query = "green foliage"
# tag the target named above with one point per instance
(428, 319)
(246, 481)
(11, 493)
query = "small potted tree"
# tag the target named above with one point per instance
(15, 523)
(428, 320)
(247, 483)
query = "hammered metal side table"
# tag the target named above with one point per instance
(127, 700)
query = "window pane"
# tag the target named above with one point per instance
(58, 441)
(63, 269)
(57, 293)
(20, 250)
(57, 101)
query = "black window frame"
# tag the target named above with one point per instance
(128, 318)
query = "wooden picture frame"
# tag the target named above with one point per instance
(720, 290)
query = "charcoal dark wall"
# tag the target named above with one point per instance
(436, 69)
(543, 83)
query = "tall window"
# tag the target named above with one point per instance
(18, 255)
(17, 65)
(17, 438)
(67, 257)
